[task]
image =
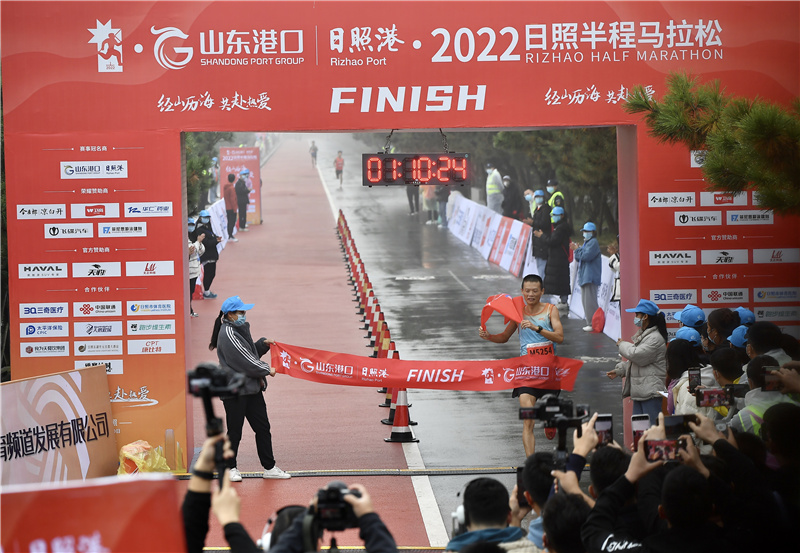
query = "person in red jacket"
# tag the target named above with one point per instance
(229, 193)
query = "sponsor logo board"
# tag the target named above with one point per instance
(71, 170)
(789, 294)
(113, 366)
(50, 329)
(93, 270)
(151, 347)
(726, 295)
(698, 218)
(152, 307)
(42, 270)
(108, 347)
(121, 230)
(674, 257)
(97, 328)
(148, 209)
(718, 199)
(776, 255)
(66, 230)
(724, 257)
(788, 313)
(94, 211)
(670, 199)
(41, 211)
(151, 326)
(43, 310)
(673, 296)
(149, 268)
(96, 308)
(44, 349)
(749, 217)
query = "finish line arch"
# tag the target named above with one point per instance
(96, 95)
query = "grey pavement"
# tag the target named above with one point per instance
(431, 288)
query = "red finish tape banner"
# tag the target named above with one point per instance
(510, 308)
(547, 371)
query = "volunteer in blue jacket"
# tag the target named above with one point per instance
(237, 352)
(590, 271)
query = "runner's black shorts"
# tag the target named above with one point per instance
(538, 393)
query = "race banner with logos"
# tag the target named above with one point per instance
(233, 161)
(539, 369)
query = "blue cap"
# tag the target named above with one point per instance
(739, 336)
(539, 193)
(235, 303)
(245, 172)
(192, 221)
(689, 334)
(589, 227)
(558, 210)
(691, 316)
(214, 159)
(645, 306)
(205, 213)
(746, 317)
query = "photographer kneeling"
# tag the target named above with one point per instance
(337, 508)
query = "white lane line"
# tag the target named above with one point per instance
(458, 280)
(428, 508)
(328, 194)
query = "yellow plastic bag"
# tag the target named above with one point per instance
(139, 456)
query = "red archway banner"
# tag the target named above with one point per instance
(545, 371)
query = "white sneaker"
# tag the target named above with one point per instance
(235, 475)
(232, 239)
(277, 473)
(587, 328)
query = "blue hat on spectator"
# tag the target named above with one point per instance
(558, 210)
(691, 316)
(235, 303)
(245, 172)
(539, 193)
(205, 213)
(689, 334)
(746, 317)
(739, 336)
(645, 306)
(589, 227)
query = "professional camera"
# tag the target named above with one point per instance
(210, 379)
(557, 414)
(333, 512)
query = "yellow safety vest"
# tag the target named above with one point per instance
(494, 183)
(552, 201)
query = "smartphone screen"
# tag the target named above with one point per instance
(694, 380)
(711, 397)
(771, 381)
(667, 450)
(604, 426)
(521, 490)
(639, 423)
(675, 425)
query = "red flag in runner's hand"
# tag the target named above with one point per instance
(510, 308)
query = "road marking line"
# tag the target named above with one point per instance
(428, 508)
(457, 280)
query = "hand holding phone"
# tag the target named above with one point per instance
(711, 397)
(694, 380)
(666, 450)
(604, 427)
(639, 424)
(522, 501)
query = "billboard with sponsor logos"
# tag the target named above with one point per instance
(96, 94)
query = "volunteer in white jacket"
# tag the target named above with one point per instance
(196, 249)
(645, 368)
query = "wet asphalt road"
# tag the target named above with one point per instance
(431, 288)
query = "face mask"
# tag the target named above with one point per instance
(539, 200)
(551, 189)
(637, 322)
(587, 235)
(205, 220)
(488, 171)
(240, 321)
(191, 228)
(555, 218)
(528, 197)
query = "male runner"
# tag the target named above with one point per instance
(541, 324)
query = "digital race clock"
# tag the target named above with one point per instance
(439, 169)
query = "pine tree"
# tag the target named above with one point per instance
(751, 144)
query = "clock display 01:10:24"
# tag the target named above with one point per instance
(404, 169)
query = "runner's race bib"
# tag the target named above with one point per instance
(540, 348)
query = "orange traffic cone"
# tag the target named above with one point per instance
(401, 431)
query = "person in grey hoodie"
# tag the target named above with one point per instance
(645, 368)
(238, 353)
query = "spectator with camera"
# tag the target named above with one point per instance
(760, 397)
(681, 356)
(238, 353)
(487, 516)
(336, 508)
(200, 499)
